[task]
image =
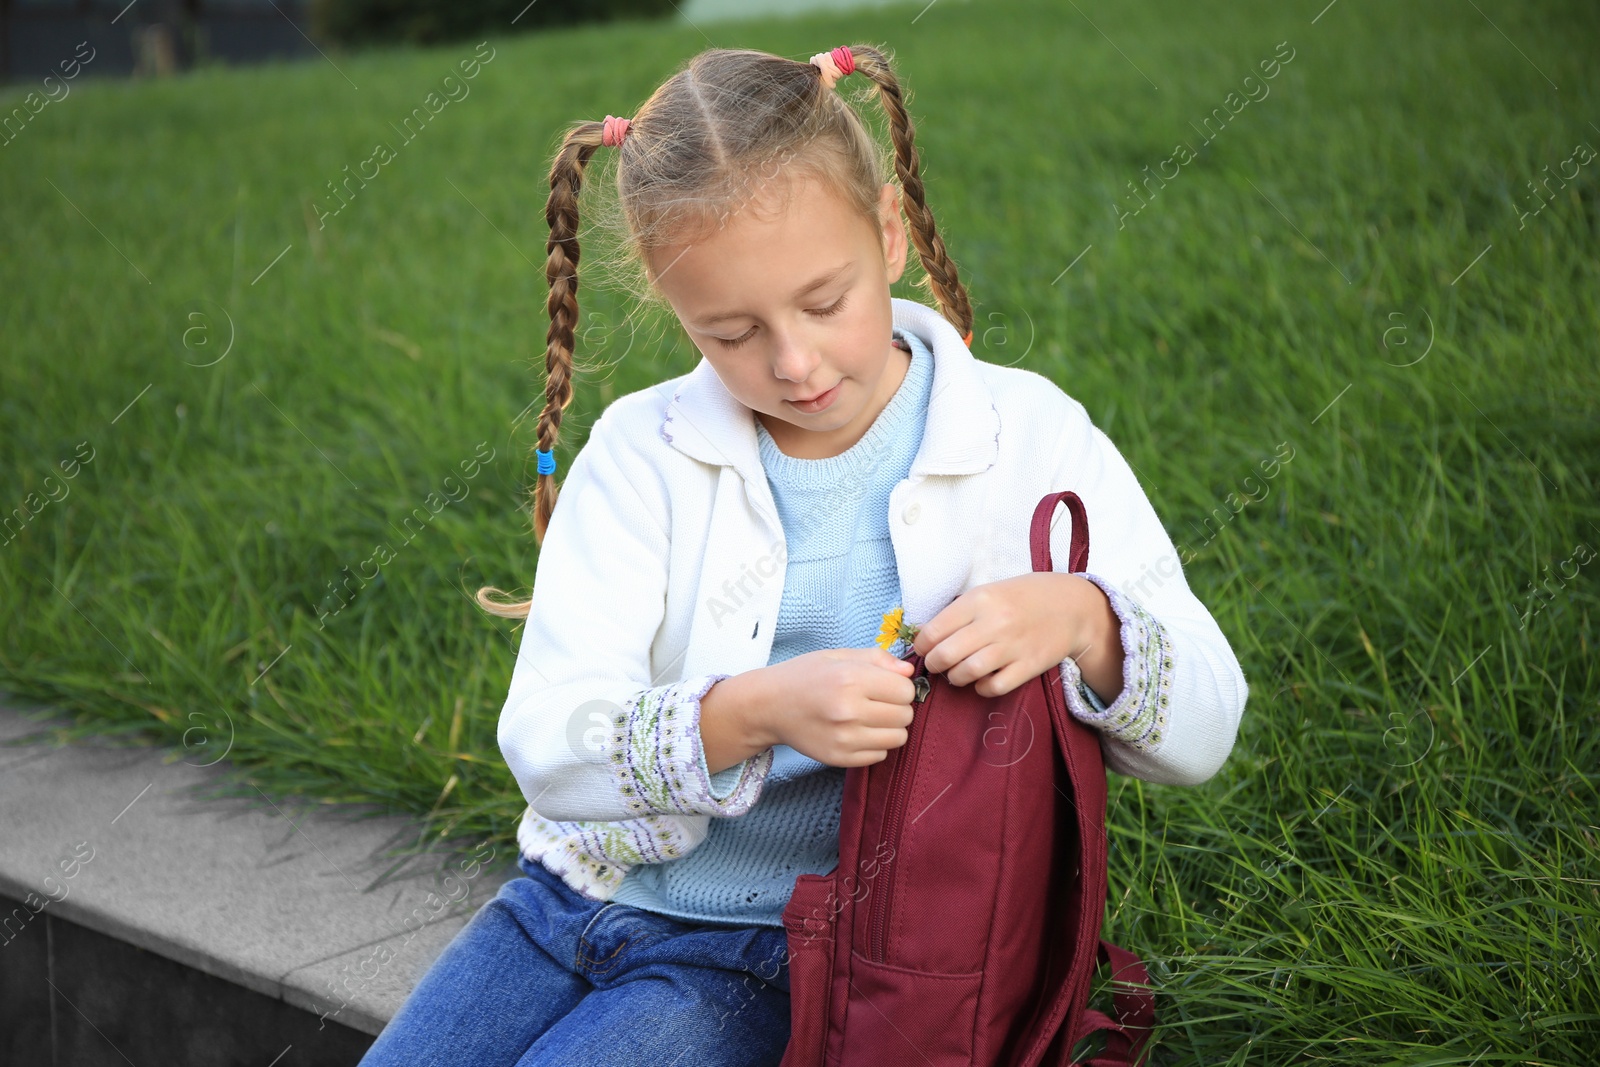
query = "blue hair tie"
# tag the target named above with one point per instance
(547, 461)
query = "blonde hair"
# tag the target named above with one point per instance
(708, 143)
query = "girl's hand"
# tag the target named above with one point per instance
(1009, 632)
(846, 707)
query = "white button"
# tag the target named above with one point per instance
(912, 513)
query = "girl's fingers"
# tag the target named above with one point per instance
(888, 739)
(891, 713)
(895, 663)
(978, 664)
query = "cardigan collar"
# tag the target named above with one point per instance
(962, 436)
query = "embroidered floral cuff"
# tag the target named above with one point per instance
(1138, 717)
(593, 857)
(659, 759)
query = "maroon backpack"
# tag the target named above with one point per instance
(962, 923)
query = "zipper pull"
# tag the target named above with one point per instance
(919, 677)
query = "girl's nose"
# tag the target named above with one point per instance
(795, 361)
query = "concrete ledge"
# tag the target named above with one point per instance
(298, 903)
(71, 997)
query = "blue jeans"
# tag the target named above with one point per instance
(542, 975)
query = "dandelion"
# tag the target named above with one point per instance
(895, 628)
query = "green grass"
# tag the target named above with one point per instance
(1397, 864)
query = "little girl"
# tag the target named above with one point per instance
(699, 665)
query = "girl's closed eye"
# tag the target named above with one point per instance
(838, 306)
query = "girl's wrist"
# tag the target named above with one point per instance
(732, 724)
(1097, 640)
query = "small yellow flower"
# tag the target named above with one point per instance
(895, 628)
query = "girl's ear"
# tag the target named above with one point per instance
(895, 242)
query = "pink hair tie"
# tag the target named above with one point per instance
(834, 64)
(616, 129)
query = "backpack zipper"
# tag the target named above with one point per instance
(899, 792)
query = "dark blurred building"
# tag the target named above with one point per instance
(46, 37)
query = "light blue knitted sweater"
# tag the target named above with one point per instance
(839, 581)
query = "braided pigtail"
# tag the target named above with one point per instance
(561, 271)
(942, 277)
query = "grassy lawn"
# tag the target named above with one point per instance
(1345, 279)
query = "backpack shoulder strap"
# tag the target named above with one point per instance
(1135, 1005)
(1133, 1001)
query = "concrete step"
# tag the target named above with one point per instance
(147, 919)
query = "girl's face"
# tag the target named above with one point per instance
(796, 307)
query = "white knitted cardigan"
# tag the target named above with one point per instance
(661, 573)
